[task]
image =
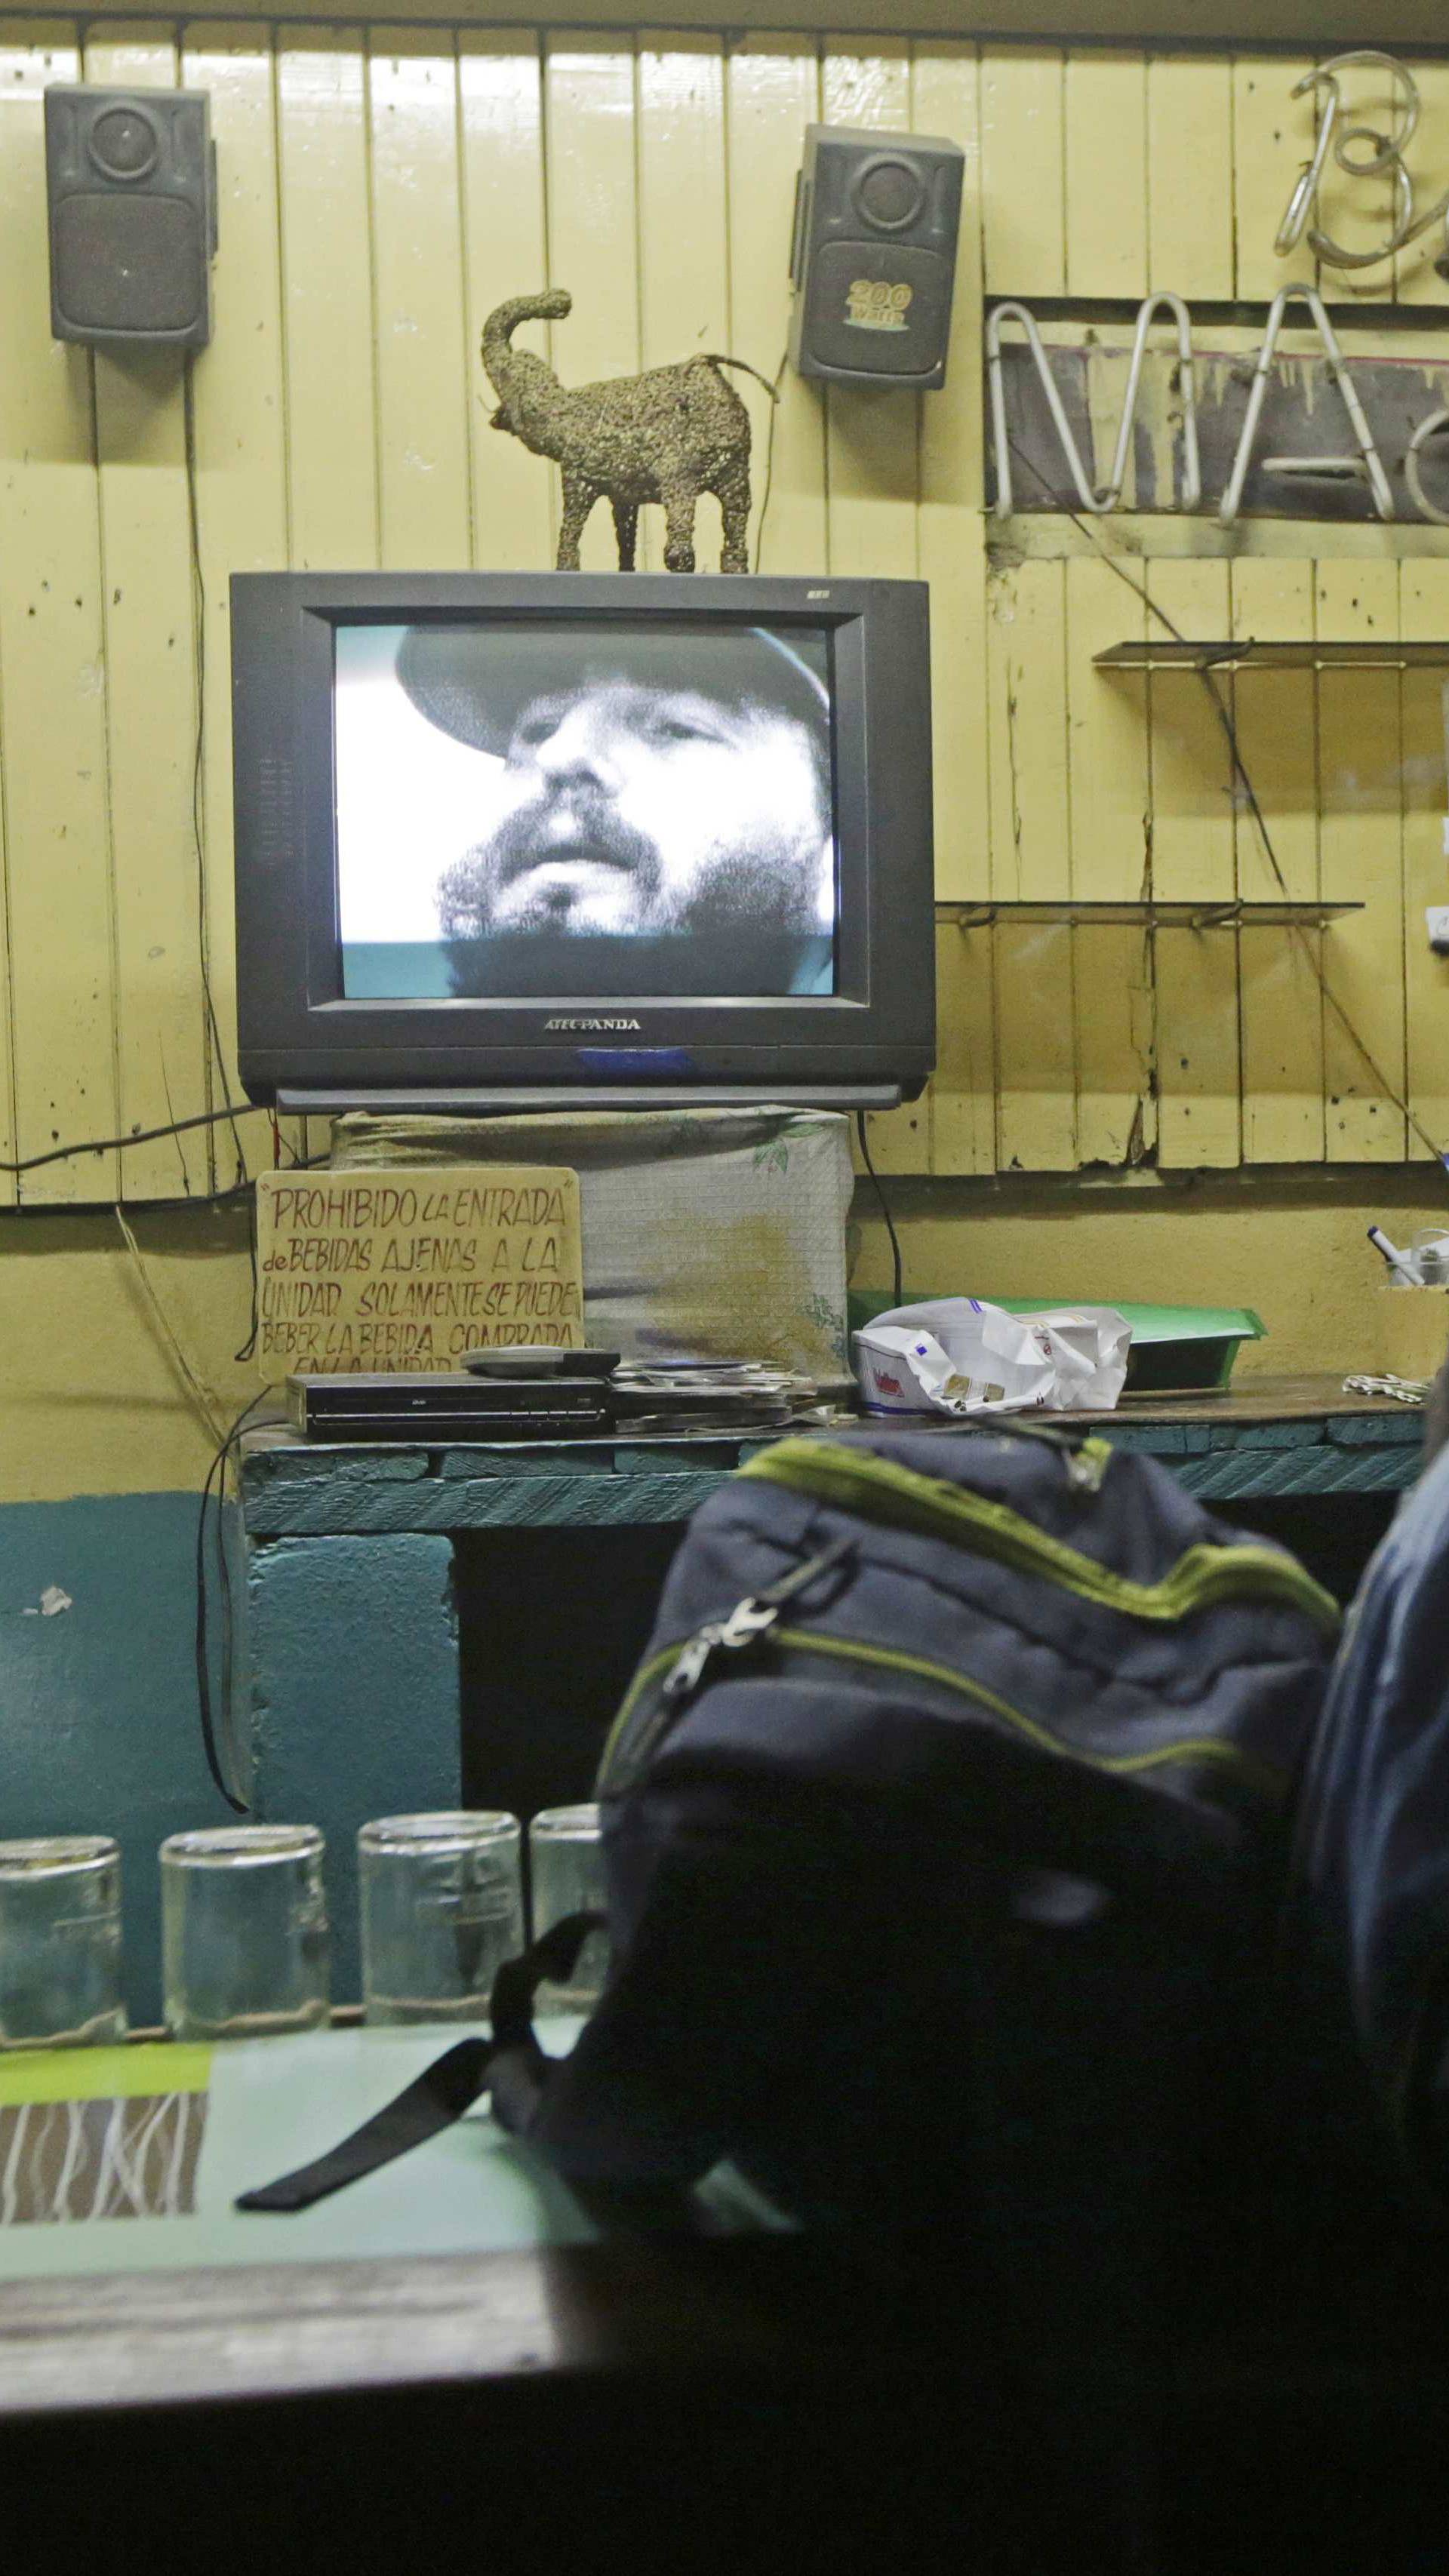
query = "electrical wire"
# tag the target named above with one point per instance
(216, 1475)
(249, 1344)
(198, 831)
(776, 382)
(138, 1136)
(190, 1376)
(1229, 729)
(863, 1134)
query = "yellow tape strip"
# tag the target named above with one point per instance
(99, 2074)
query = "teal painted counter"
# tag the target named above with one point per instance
(1292, 1436)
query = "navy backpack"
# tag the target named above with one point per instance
(946, 1824)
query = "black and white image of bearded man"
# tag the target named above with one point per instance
(652, 811)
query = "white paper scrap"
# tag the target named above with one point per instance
(959, 1355)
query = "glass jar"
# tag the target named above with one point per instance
(442, 1908)
(60, 1942)
(244, 1933)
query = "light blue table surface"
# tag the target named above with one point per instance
(274, 2104)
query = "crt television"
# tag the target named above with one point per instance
(525, 839)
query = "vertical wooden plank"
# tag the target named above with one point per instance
(327, 298)
(1023, 201)
(684, 298)
(328, 372)
(871, 478)
(1024, 253)
(505, 253)
(1111, 856)
(1361, 859)
(1105, 253)
(1027, 666)
(866, 81)
(952, 558)
(593, 224)
(1199, 1109)
(683, 246)
(950, 527)
(424, 383)
(148, 620)
(1189, 175)
(1416, 280)
(1281, 999)
(1190, 252)
(239, 412)
(1030, 840)
(61, 926)
(1105, 129)
(772, 89)
(963, 1087)
(870, 435)
(1272, 138)
(1424, 617)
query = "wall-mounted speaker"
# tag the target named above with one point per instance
(131, 178)
(873, 260)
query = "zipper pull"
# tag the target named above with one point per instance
(693, 1657)
(1087, 1466)
(747, 1625)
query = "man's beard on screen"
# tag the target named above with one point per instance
(771, 893)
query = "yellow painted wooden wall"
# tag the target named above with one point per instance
(380, 190)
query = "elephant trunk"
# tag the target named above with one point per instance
(511, 371)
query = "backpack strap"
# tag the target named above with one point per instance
(519, 2069)
(511, 2062)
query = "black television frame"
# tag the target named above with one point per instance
(302, 1044)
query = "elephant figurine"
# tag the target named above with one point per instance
(666, 435)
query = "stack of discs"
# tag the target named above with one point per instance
(707, 1395)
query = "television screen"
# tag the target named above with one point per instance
(584, 808)
(514, 837)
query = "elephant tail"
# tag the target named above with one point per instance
(713, 358)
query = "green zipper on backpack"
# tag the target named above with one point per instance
(877, 1489)
(1260, 1775)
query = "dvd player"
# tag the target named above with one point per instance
(431, 1406)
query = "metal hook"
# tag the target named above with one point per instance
(1426, 430)
(1305, 188)
(1005, 494)
(1099, 503)
(1387, 153)
(1191, 464)
(1338, 368)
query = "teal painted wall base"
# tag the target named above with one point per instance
(98, 1718)
(352, 1645)
(353, 1711)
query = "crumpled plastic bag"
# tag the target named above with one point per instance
(958, 1355)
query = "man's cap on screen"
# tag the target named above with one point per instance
(474, 682)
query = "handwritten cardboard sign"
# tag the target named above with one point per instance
(407, 1270)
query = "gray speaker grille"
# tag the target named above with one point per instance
(891, 192)
(128, 263)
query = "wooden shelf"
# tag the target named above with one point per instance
(1251, 656)
(1210, 914)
